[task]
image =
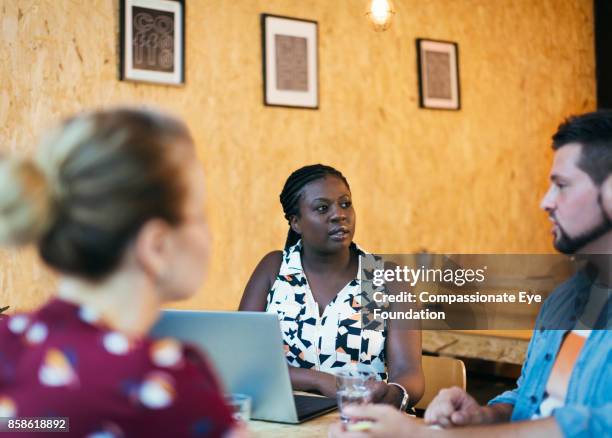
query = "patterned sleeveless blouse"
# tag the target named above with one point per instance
(336, 340)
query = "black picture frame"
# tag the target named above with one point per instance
(159, 54)
(438, 73)
(290, 62)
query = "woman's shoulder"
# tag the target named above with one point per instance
(256, 291)
(273, 259)
(70, 342)
(152, 381)
(270, 265)
(50, 324)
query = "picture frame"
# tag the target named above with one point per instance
(438, 72)
(152, 41)
(290, 62)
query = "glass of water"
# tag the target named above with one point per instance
(240, 406)
(353, 387)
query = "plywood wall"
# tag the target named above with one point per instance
(465, 181)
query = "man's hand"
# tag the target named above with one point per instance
(386, 421)
(455, 407)
(240, 430)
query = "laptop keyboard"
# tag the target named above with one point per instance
(308, 405)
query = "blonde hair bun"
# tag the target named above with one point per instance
(94, 181)
(25, 202)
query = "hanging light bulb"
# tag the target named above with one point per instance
(380, 14)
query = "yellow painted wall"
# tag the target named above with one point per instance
(466, 181)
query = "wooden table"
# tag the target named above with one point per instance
(312, 428)
(501, 345)
(524, 335)
(493, 345)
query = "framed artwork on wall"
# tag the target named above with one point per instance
(152, 41)
(290, 62)
(438, 70)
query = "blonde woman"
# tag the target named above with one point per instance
(114, 202)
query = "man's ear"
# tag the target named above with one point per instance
(295, 224)
(606, 196)
(151, 247)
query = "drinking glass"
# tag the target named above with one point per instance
(353, 387)
(240, 405)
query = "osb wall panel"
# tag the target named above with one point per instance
(463, 181)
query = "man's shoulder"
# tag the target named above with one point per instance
(559, 308)
(570, 287)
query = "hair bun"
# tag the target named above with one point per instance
(25, 202)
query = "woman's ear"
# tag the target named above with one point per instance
(295, 224)
(151, 247)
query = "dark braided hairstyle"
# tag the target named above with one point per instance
(292, 191)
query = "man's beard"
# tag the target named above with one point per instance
(569, 245)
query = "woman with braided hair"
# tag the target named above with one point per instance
(314, 287)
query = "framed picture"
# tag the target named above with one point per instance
(152, 46)
(438, 67)
(290, 62)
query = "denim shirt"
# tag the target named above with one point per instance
(588, 404)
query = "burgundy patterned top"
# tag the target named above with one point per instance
(62, 361)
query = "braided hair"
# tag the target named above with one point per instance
(292, 191)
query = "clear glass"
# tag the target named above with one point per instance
(353, 387)
(240, 405)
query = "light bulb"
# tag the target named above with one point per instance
(380, 14)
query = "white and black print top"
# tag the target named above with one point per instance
(330, 342)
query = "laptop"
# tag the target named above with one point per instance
(246, 350)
